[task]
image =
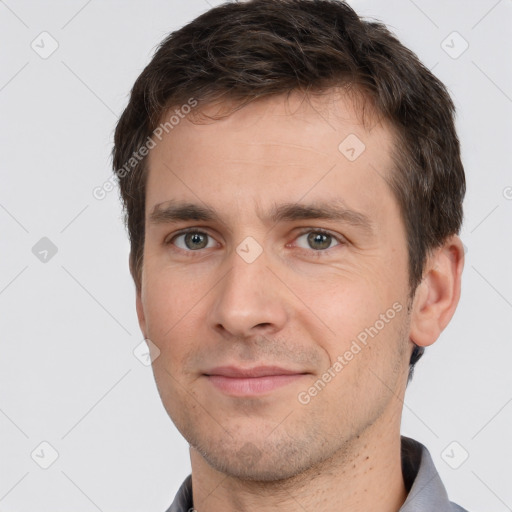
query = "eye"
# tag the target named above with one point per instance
(316, 240)
(193, 241)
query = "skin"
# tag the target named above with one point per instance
(294, 306)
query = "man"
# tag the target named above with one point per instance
(293, 191)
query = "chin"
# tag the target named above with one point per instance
(261, 462)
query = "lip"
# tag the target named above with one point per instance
(257, 371)
(251, 381)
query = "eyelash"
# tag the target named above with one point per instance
(338, 238)
(169, 241)
(320, 252)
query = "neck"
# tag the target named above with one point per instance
(366, 476)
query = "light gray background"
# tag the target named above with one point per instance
(68, 375)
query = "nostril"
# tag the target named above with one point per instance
(263, 325)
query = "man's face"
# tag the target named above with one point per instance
(267, 245)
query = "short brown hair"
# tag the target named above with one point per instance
(248, 50)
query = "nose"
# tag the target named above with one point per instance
(249, 300)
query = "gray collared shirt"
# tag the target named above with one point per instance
(426, 492)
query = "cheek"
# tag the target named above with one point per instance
(175, 306)
(355, 321)
(167, 302)
(161, 310)
(367, 368)
(340, 304)
(170, 314)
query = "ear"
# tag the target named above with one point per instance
(438, 294)
(140, 313)
(138, 301)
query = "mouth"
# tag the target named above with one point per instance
(251, 381)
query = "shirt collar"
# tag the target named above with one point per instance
(426, 491)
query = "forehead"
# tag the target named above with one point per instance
(271, 151)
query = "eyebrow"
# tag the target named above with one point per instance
(325, 211)
(175, 211)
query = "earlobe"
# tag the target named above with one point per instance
(438, 294)
(138, 297)
(140, 313)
